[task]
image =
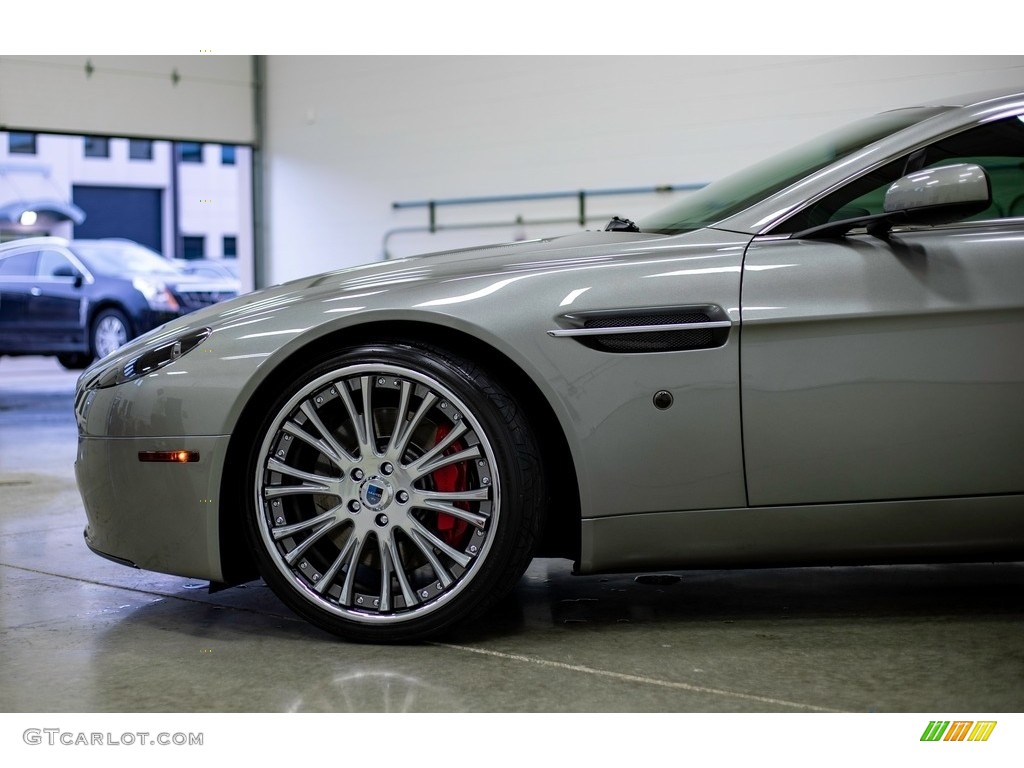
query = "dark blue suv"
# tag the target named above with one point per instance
(82, 299)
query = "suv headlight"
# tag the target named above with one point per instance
(157, 294)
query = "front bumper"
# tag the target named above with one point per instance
(159, 516)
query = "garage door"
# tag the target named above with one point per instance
(130, 212)
(189, 98)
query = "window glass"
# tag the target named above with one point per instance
(20, 143)
(19, 265)
(190, 152)
(140, 149)
(111, 257)
(97, 146)
(230, 246)
(193, 247)
(53, 264)
(227, 154)
(998, 147)
(735, 193)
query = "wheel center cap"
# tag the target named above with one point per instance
(376, 493)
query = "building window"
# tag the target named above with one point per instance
(97, 146)
(140, 149)
(190, 152)
(227, 154)
(230, 247)
(21, 143)
(193, 247)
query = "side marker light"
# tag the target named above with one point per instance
(175, 457)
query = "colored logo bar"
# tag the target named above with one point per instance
(958, 730)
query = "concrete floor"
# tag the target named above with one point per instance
(81, 634)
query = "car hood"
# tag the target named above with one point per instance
(455, 289)
(417, 277)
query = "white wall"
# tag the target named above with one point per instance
(347, 136)
(215, 200)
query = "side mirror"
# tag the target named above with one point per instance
(939, 195)
(66, 270)
(934, 196)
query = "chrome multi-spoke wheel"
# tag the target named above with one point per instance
(378, 491)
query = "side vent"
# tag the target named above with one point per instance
(676, 329)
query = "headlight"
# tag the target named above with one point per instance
(157, 294)
(154, 358)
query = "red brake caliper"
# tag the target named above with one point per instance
(447, 480)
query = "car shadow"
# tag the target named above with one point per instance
(551, 597)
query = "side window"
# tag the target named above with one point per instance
(998, 147)
(53, 264)
(19, 265)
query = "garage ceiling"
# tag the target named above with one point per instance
(190, 98)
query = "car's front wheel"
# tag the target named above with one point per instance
(109, 331)
(395, 490)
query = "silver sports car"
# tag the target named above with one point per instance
(818, 360)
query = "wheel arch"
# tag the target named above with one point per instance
(561, 537)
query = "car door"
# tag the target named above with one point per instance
(56, 304)
(890, 369)
(17, 273)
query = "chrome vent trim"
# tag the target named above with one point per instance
(639, 328)
(645, 330)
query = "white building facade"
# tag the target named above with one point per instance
(182, 199)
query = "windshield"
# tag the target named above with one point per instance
(117, 258)
(734, 193)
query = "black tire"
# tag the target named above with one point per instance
(74, 361)
(441, 490)
(109, 330)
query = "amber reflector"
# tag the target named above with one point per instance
(175, 457)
